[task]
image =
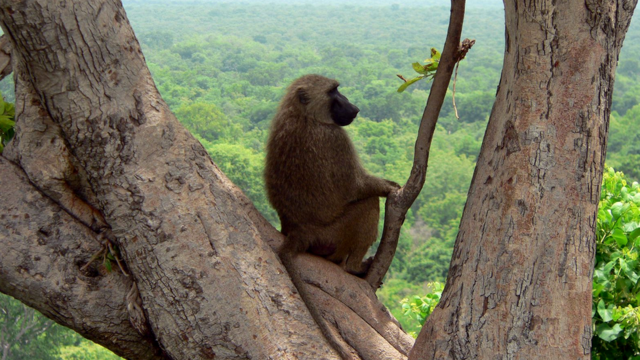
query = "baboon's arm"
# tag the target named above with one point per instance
(374, 186)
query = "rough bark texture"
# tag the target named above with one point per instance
(351, 306)
(43, 249)
(5, 57)
(519, 284)
(106, 155)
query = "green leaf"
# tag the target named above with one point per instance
(627, 267)
(630, 226)
(618, 209)
(107, 264)
(605, 313)
(608, 333)
(6, 124)
(617, 314)
(597, 289)
(435, 54)
(431, 67)
(604, 216)
(607, 268)
(634, 234)
(409, 82)
(419, 68)
(620, 237)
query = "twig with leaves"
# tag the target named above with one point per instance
(399, 201)
(428, 70)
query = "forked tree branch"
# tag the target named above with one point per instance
(399, 202)
(45, 248)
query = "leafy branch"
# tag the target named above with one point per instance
(399, 202)
(428, 70)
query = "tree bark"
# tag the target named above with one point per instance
(519, 283)
(6, 66)
(43, 250)
(106, 156)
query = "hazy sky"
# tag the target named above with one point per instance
(412, 3)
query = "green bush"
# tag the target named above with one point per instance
(616, 295)
(420, 307)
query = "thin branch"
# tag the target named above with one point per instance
(115, 256)
(399, 202)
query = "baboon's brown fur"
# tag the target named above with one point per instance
(327, 203)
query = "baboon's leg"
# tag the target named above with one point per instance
(358, 230)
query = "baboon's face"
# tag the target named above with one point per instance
(323, 102)
(342, 111)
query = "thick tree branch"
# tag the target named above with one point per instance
(351, 305)
(398, 203)
(41, 151)
(43, 250)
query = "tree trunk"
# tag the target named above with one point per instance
(519, 283)
(100, 158)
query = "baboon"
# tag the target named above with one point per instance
(327, 203)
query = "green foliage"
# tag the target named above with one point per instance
(429, 261)
(616, 290)
(207, 121)
(392, 293)
(244, 167)
(86, 350)
(26, 334)
(623, 150)
(24, 331)
(420, 307)
(7, 122)
(426, 71)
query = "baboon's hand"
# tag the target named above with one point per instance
(393, 185)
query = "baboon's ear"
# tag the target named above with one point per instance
(303, 97)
